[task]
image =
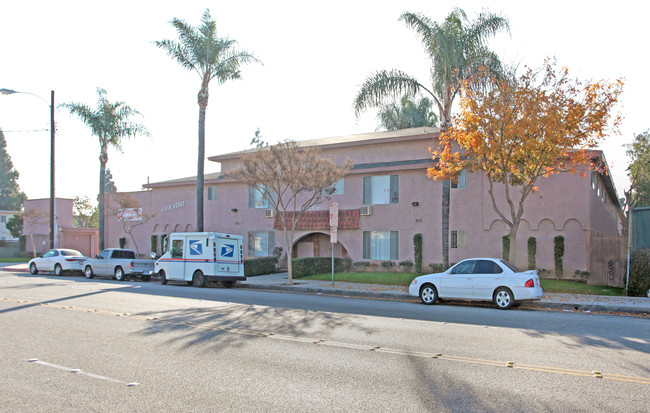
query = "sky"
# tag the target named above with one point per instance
(315, 56)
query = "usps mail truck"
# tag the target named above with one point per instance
(199, 257)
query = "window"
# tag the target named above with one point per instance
(261, 243)
(464, 267)
(256, 198)
(51, 253)
(381, 189)
(458, 239)
(212, 193)
(337, 188)
(177, 248)
(461, 181)
(488, 267)
(380, 245)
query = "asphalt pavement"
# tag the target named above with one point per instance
(549, 301)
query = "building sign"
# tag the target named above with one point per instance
(168, 208)
(334, 235)
(130, 214)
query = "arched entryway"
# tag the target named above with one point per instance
(317, 244)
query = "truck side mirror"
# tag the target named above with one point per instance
(153, 255)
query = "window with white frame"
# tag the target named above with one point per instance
(256, 198)
(261, 243)
(458, 239)
(212, 193)
(381, 189)
(380, 245)
(461, 181)
(337, 188)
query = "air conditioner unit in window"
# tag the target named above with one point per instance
(270, 213)
(366, 210)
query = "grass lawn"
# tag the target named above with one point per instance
(14, 259)
(549, 286)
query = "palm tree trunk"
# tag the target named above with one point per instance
(103, 158)
(203, 104)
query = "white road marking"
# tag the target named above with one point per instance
(79, 371)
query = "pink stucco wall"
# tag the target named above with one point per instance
(565, 205)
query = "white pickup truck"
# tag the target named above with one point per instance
(119, 264)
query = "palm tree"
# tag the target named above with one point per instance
(200, 49)
(110, 122)
(408, 114)
(457, 49)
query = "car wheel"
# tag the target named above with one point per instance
(58, 270)
(228, 284)
(88, 272)
(428, 294)
(163, 277)
(503, 298)
(198, 279)
(119, 274)
(32, 269)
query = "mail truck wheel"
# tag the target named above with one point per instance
(163, 277)
(198, 279)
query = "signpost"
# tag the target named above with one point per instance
(334, 224)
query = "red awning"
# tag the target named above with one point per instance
(348, 219)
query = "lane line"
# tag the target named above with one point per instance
(79, 371)
(353, 346)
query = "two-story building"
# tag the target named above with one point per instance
(386, 199)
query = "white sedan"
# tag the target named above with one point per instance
(57, 261)
(483, 279)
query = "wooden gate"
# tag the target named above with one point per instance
(607, 261)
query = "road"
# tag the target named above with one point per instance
(72, 344)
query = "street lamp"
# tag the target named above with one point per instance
(52, 130)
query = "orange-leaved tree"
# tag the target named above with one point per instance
(523, 128)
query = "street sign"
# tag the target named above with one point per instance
(334, 214)
(334, 234)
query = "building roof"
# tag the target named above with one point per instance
(350, 140)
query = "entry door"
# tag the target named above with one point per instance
(458, 281)
(177, 263)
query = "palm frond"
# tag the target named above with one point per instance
(387, 85)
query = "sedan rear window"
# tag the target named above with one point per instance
(511, 266)
(70, 253)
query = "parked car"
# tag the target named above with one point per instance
(119, 264)
(484, 279)
(58, 260)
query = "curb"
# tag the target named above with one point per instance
(593, 308)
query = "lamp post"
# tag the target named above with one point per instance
(52, 132)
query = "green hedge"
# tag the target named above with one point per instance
(558, 253)
(639, 282)
(505, 247)
(532, 253)
(417, 246)
(304, 267)
(259, 266)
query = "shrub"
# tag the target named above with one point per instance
(417, 246)
(581, 276)
(361, 265)
(505, 244)
(532, 253)
(558, 253)
(407, 264)
(122, 242)
(437, 267)
(259, 266)
(639, 282)
(387, 264)
(304, 267)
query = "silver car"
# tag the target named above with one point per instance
(483, 279)
(58, 260)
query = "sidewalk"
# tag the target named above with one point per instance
(565, 302)
(555, 301)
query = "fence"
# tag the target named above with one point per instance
(607, 261)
